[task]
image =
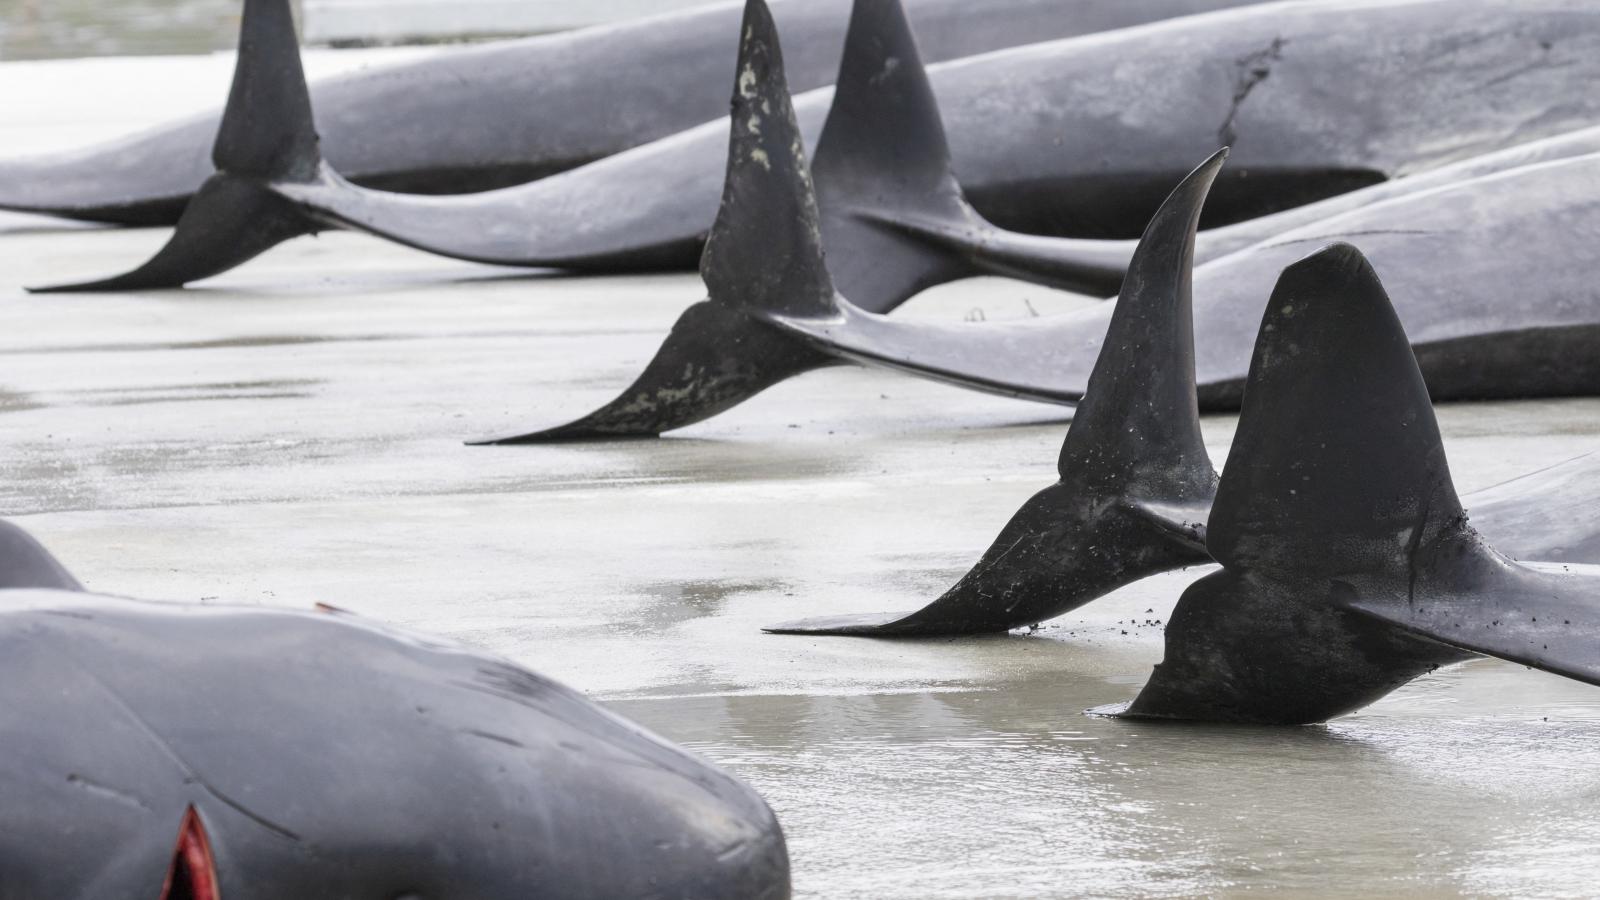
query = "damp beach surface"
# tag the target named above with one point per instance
(291, 433)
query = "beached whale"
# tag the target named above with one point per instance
(1492, 276)
(510, 112)
(215, 752)
(1348, 563)
(1136, 485)
(1080, 137)
(895, 220)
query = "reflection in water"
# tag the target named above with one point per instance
(46, 29)
(1014, 793)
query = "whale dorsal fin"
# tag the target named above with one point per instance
(267, 135)
(763, 259)
(267, 128)
(765, 249)
(1138, 424)
(1337, 465)
(883, 163)
(1338, 474)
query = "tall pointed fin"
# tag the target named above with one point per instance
(764, 256)
(266, 135)
(883, 167)
(1337, 465)
(1139, 419)
(267, 129)
(765, 249)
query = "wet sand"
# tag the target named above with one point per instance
(291, 433)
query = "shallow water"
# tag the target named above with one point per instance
(1455, 786)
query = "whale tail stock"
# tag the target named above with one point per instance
(267, 135)
(1348, 563)
(1135, 480)
(763, 259)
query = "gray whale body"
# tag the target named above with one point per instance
(184, 752)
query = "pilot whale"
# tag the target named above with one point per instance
(1136, 485)
(896, 221)
(773, 310)
(215, 752)
(439, 125)
(1112, 121)
(1349, 566)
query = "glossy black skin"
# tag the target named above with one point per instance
(1088, 534)
(1135, 482)
(1349, 567)
(332, 758)
(1032, 130)
(439, 125)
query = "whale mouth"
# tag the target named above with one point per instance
(193, 873)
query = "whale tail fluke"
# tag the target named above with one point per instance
(763, 259)
(267, 135)
(1135, 479)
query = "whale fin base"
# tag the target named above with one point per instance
(228, 222)
(714, 359)
(763, 260)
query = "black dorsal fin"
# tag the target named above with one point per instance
(1337, 465)
(267, 135)
(883, 164)
(267, 128)
(765, 249)
(1135, 476)
(1139, 417)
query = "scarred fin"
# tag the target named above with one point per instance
(763, 258)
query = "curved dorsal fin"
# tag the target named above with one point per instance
(1337, 465)
(1139, 413)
